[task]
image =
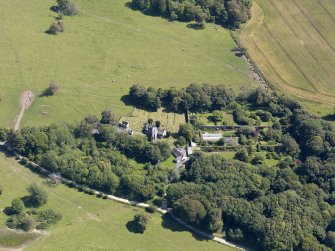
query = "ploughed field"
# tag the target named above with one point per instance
(105, 49)
(293, 44)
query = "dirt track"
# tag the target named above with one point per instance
(26, 100)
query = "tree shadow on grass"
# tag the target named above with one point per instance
(131, 226)
(54, 8)
(27, 201)
(196, 26)
(329, 117)
(171, 224)
(8, 211)
(126, 99)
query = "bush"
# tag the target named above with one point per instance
(141, 222)
(21, 221)
(17, 206)
(67, 8)
(52, 89)
(49, 216)
(42, 226)
(258, 160)
(38, 196)
(24, 161)
(242, 155)
(158, 202)
(151, 209)
(56, 27)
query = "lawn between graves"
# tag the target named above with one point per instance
(92, 223)
(102, 52)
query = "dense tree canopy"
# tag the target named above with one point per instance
(195, 98)
(225, 12)
(287, 206)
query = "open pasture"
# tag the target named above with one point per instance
(293, 44)
(103, 51)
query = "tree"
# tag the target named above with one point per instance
(17, 206)
(330, 240)
(21, 221)
(158, 123)
(190, 210)
(49, 216)
(38, 196)
(52, 89)
(235, 235)
(217, 116)
(186, 130)
(67, 8)
(290, 146)
(56, 27)
(242, 155)
(258, 160)
(108, 117)
(214, 220)
(141, 222)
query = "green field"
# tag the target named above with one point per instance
(293, 44)
(9, 238)
(91, 223)
(103, 51)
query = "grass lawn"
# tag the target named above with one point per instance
(103, 51)
(205, 119)
(293, 44)
(227, 155)
(13, 239)
(91, 223)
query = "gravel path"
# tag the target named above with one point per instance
(26, 100)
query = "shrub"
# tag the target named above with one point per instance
(17, 206)
(141, 222)
(151, 209)
(242, 155)
(38, 196)
(158, 202)
(56, 27)
(258, 160)
(52, 89)
(42, 226)
(21, 221)
(49, 216)
(67, 8)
